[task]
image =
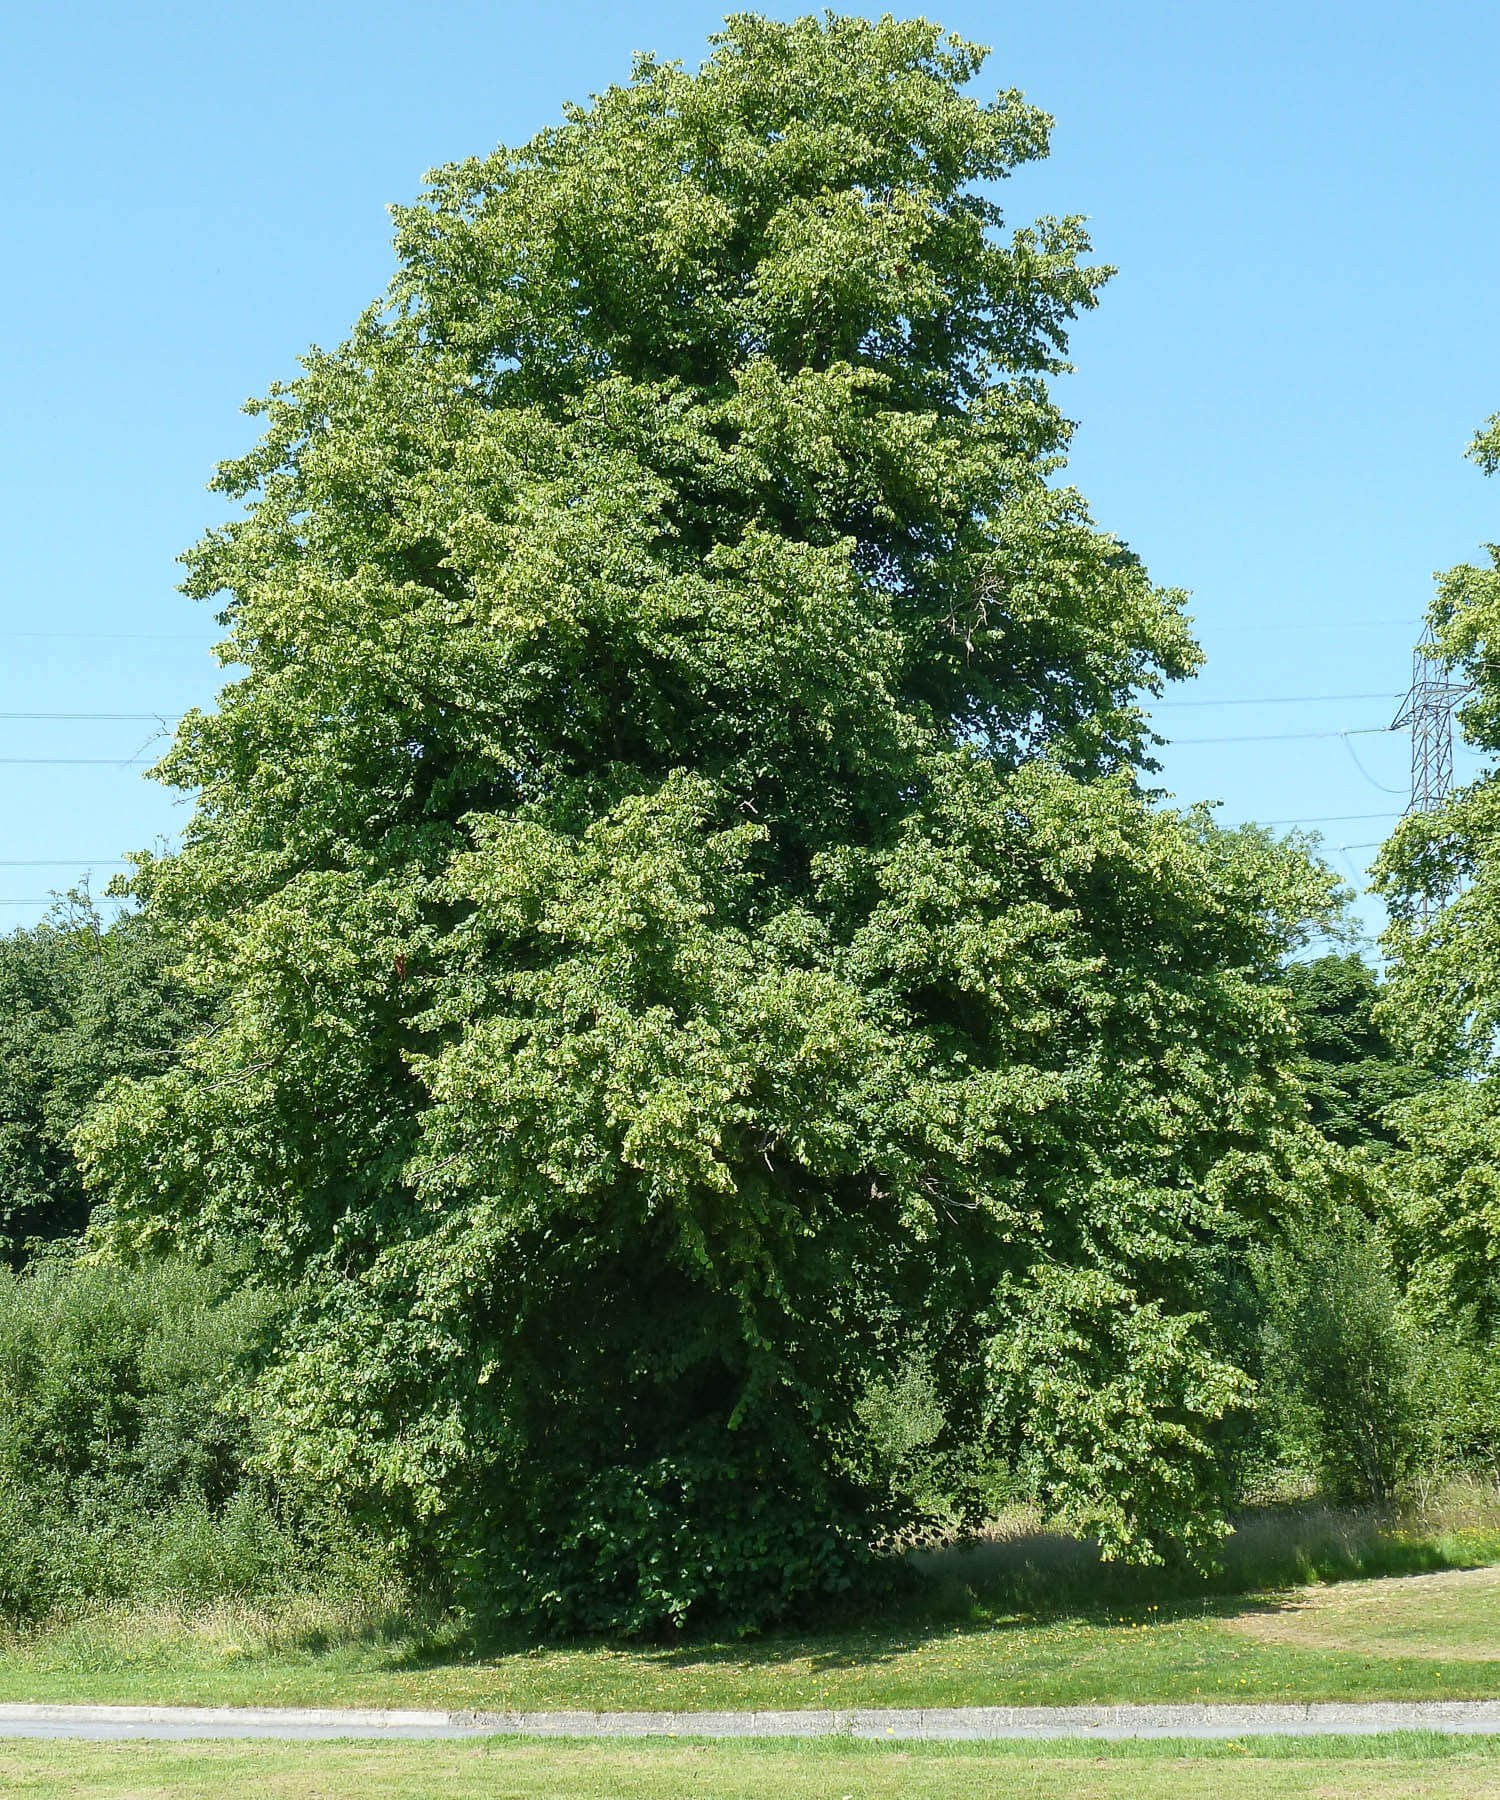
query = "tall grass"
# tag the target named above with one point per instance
(1019, 1565)
(285, 1628)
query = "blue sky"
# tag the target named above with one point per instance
(1273, 398)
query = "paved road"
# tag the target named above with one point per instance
(109, 1723)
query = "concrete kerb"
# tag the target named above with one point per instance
(929, 1724)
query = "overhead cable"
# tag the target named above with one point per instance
(47, 899)
(126, 637)
(1269, 700)
(1413, 626)
(1282, 737)
(1330, 819)
(1383, 787)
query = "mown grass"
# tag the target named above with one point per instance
(1418, 1765)
(1023, 1618)
(1449, 1615)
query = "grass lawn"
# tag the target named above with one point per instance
(1412, 1766)
(1414, 1637)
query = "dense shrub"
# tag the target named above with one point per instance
(1353, 1070)
(1459, 1386)
(126, 1455)
(1343, 1365)
(113, 1380)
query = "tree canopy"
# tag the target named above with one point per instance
(1446, 974)
(694, 922)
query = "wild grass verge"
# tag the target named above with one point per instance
(1020, 1565)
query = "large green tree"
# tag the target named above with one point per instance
(1440, 875)
(694, 925)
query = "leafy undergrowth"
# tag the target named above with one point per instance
(1404, 1766)
(1025, 1617)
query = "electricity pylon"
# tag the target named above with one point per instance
(1427, 712)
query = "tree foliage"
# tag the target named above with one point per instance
(1446, 977)
(693, 922)
(80, 1004)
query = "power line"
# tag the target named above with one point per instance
(149, 718)
(193, 637)
(153, 718)
(1267, 700)
(122, 637)
(164, 717)
(1313, 625)
(1320, 819)
(1285, 737)
(1380, 786)
(47, 899)
(141, 762)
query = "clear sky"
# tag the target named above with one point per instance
(1273, 398)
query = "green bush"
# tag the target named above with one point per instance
(81, 1003)
(641, 1550)
(113, 1381)
(1459, 1386)
(126, 1454)
(1342, 1366)
(904, 1425)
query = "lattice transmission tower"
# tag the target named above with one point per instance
(1427, 712)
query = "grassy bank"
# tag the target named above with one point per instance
(1411, 1766)
(977, 1630)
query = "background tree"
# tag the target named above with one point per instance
(80, 1004)
(676, 855)
(1354, 1071)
